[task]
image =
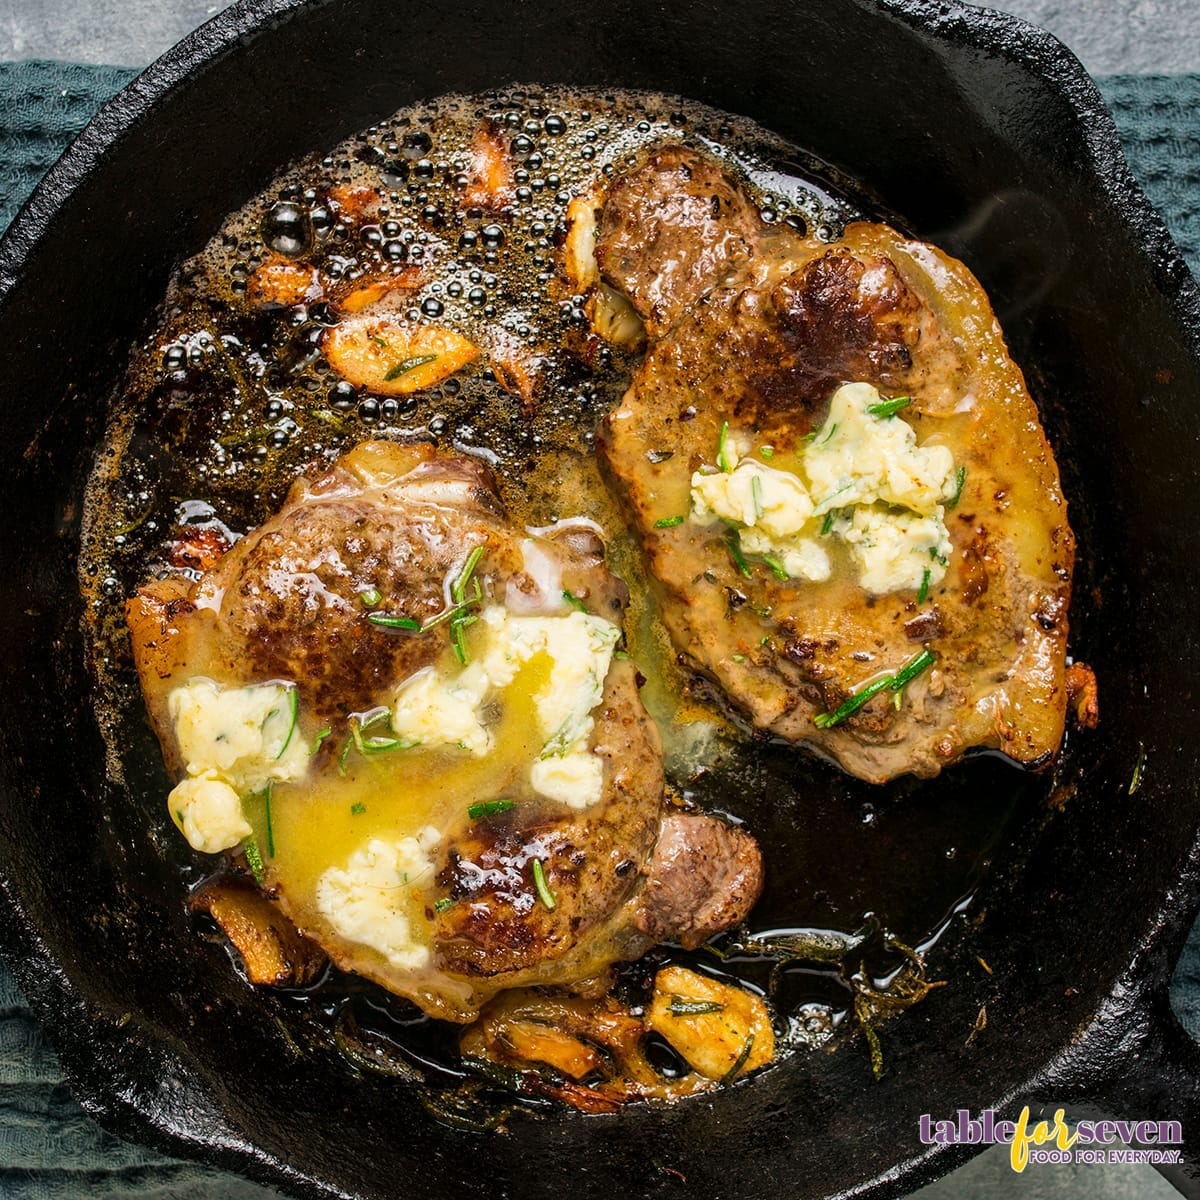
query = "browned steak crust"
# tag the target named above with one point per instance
(762, 345)
(286, 603)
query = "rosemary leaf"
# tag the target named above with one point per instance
(409, 364)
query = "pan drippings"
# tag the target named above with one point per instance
(453, 216)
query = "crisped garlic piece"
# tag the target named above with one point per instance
(392, 357)
(722, 1031)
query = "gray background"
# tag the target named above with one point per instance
(1109, 36)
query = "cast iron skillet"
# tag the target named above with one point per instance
(988, 137)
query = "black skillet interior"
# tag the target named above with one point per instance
(987, 138)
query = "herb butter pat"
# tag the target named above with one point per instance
(209, 814)
(434, 708)
(861, 479)
(370, 901)
(233, 742)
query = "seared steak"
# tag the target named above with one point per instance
(752, 329)
(415, 842)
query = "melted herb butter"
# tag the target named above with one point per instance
(353, 845)
(362, 815)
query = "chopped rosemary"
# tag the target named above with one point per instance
(895, 682)
(374, 337)
(389, 622)
(319, 739)
(560, 741)
(375, 744)
(827, 524)
(767, 451)
(254, 861)
(682, 1007)
(267, 814)
(756, 494)
(443, 904)
(723, 449)
(832, 431)
(913, 668)
(777, 567)
(370, 597)
(734, 544)
(924, 586)
(293, 716)
(489, 808)
(960, 478)
(543, 888)
(1135, 781)
(668, 522)
(889, 408)
(574, 601)
(742, 1059)
(409, 364)
(357, 808)
(456, 610)
(459, 587)
(458, 636)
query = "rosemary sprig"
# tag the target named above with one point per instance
(458, 613)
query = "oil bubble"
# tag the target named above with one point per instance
(416, 144)
(394, 174)
(287, 229)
